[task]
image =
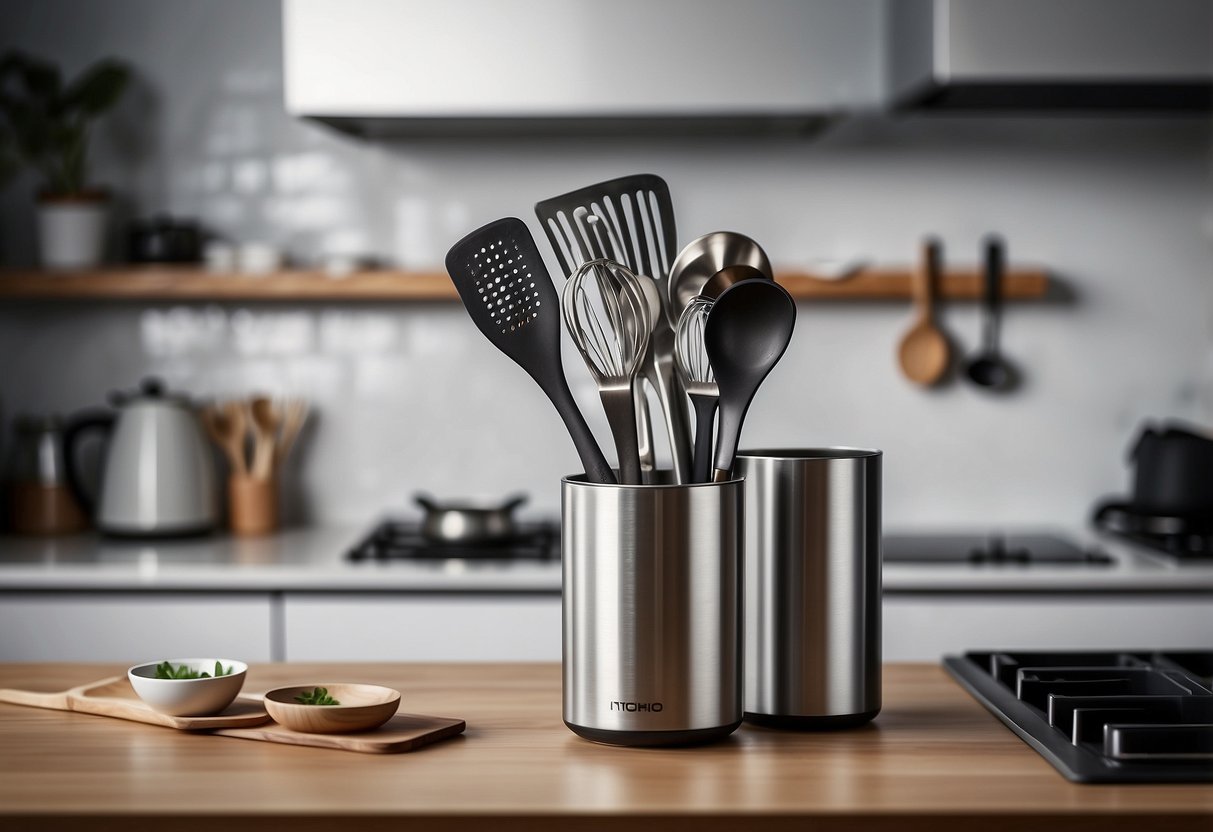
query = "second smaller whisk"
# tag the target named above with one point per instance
(695, 371)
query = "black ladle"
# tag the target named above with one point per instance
(988, 368)
(745, 335)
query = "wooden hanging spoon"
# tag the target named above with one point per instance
(925, 352)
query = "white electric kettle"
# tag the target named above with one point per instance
(158, 475)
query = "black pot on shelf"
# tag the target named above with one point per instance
(163, 239)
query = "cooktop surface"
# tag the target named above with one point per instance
(1133, 716)
(404, 540)
(990, 549)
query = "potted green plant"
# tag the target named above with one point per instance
(48, 123)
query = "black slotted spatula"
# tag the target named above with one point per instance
(509, 294)
(640, 213)
(639, 217)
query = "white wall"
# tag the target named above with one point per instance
(1121, 209)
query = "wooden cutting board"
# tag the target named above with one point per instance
(246, 718)
(115, 697)
(403, 732)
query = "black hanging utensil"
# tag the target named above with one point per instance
(989, 368)
(509, 295)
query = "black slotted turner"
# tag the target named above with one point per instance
(509, 294)
(639, 215)
(646, 231)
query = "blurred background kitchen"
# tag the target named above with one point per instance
(286, 148)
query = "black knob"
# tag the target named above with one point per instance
(152, 387)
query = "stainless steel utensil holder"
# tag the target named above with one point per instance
(812, 586)
(652, 611)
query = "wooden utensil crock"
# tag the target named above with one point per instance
(252, 504)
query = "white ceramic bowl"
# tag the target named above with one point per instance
(188, 697)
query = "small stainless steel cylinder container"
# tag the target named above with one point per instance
(812, 586)
(652, 611)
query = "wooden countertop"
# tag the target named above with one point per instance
(934, 759)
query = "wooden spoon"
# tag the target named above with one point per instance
(294, 415)
(227, 433)
(266, 421)
(925, 352)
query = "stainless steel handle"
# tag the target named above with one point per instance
(661, 374)
(620, 408)
(644, 429)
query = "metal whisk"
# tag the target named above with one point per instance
(608, 318)
(602, 242)
(695, 370)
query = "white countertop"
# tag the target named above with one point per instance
(314, 560)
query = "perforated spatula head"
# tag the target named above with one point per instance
(507, 291)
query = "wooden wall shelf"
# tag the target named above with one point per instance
(192, 284)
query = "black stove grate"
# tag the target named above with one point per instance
(401, 540)
(1181, 537)
(1103, 717)
(1182, 547)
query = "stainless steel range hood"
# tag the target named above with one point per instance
(487, 67)
(1051, 55)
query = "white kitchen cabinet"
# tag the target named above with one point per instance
(303, 626)
(922, 627)
(363, 627)
(133, 626)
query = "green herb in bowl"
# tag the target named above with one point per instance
(165, 670)
(319, 696)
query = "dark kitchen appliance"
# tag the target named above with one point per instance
(988, 550)
(1173, 471)
(1103, 717)
(1171, 509)
(392, 540)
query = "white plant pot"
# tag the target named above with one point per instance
(71, 233)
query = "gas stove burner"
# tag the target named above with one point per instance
(1180, 536)
(1103, 717)
(987, 550)
(400, 540)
